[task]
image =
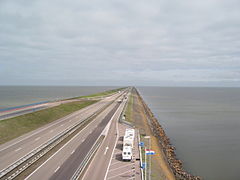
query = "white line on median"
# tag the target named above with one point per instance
(72, 151)
(37, 138)
(18, 149)
(105, 152)
(57, 169)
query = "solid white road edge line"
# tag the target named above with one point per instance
(113, 148)
(103, 143)
(56, 152)
(64, 118)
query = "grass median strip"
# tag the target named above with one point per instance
(129, 109)
(17, 126)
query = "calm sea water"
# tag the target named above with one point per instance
(204, 126)
(20, 95)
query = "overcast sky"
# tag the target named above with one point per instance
(120, 42)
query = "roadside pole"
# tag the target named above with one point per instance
(147, 137)
(145, 163)
(149, 159)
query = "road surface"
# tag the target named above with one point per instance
(65, 162)
(17, 148)
(100, 162)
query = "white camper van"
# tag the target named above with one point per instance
(127, 153)
(130, 132)
(128, 141)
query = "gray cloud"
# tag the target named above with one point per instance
(154, 42)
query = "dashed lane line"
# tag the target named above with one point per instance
(37, 138)
(57, 169)
(72, 151)
(105, 152)
(18, 149)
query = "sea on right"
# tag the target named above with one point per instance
(203, 123)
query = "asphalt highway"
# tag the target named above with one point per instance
(66, 160)
(17, 148)
(101, 161)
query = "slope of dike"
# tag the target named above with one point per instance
(165, 165)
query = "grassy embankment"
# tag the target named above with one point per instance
(129, 109)
(17, 126)
(105, 93)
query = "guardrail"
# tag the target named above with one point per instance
(90, 154)
(87, 158)
(23, 163)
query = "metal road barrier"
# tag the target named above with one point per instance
(23, 163)
(87, 158)
(85, 162)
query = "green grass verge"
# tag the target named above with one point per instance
(17, 126)
(129, 109)
(105, 93)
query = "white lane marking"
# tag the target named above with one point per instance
(83, 140)
(66, 118)
(18, 149)
(70, 116)
(62, 125)
(120, 167)
(102, 145)
(37, 138)
(116, 163)
(57, 169)
(72, 151)
(120, 174)
(90, 132)
(105, 152)
(58, 151)
(115, 142)
(51, 131)
(131, 178)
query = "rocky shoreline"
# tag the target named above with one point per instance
(168, 149)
